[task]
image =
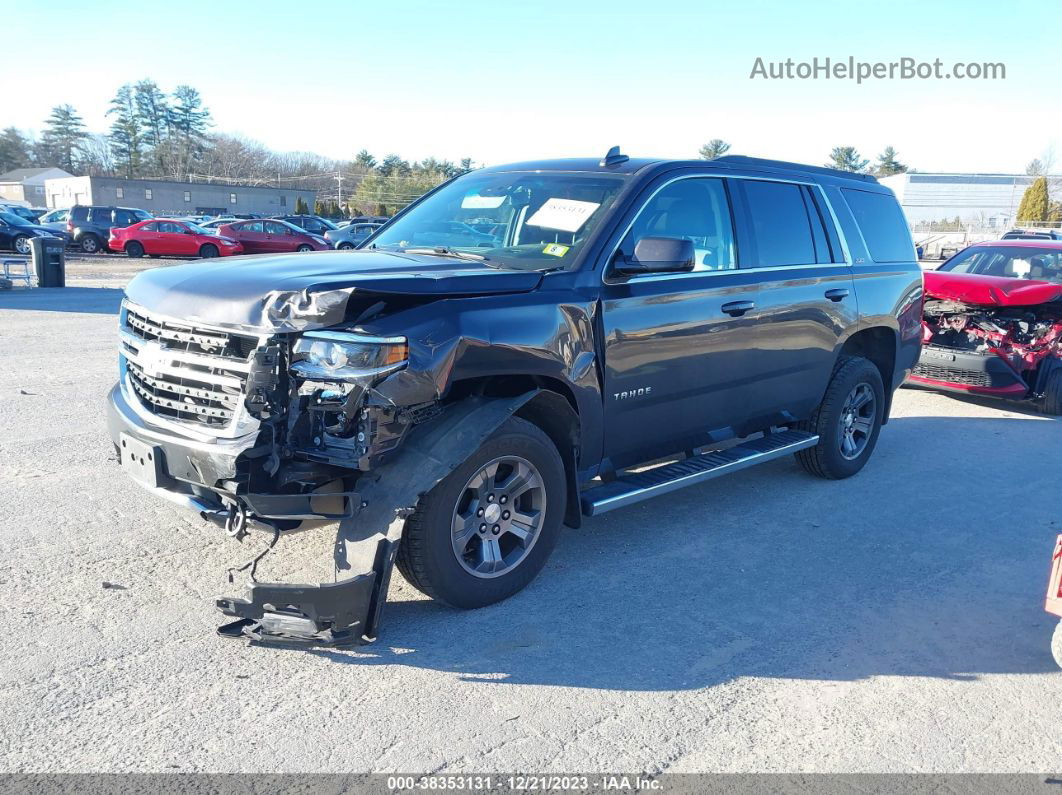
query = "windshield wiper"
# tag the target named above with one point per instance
(443, 251)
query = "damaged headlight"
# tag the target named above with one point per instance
(344, 356)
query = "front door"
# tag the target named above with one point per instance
(679, 347)
(279, 237)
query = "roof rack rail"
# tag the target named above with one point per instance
(759, 162)
(614, 157)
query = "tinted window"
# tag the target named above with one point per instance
(883, 225)
(253, 226)
(101, 215)
(124, 218)
(779, 224)
(695, 209)
(170, 228)
(79, 214)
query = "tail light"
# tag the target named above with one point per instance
(70, 227)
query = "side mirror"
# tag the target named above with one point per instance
(658, 255)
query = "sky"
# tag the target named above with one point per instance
(505, 81)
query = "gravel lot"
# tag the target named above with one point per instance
(767, 621)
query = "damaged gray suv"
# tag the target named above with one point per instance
(523, 346)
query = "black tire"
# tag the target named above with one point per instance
(134, 249)
(208, 251)
(1051, 402)
(90, 244)
(154, 256)
(826, 459)
(345, 245)
(426, 557)
(20, 244)
(304, 247)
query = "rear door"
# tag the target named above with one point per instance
(148, 236)
(252, 235)
(279, 237)
(806, 300)
(679, 348)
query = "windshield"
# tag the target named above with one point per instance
(519, 220)
(1014, 262)
(14, 220)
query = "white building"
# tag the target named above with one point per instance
(25, 186)
(988, 200)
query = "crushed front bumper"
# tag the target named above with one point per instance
(968, 372)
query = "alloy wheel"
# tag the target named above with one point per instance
(498, 517)
(858, 415)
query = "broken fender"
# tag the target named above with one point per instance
(347, 612)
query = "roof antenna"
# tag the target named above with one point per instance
(614, 157)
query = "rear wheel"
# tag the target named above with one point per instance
(208, 250)
(847, 421)
(134, 249)
(304, 247)
(90, 244)
(1051, 402)
(486, 530)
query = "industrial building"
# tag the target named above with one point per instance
(984, 200)
(25, 186)
(166, 197)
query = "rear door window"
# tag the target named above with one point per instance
(779, 224)
(883, 225)
(101, 216)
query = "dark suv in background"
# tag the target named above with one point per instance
(89, 226)
(314, 224)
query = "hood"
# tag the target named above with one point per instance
(296, 292)
(973, 288)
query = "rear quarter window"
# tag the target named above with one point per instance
(883, 225)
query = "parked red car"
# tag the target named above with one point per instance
(992, 323)
(272, 236)
(161, 237)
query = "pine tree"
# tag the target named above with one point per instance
(153, 113)
(714, 148)
(126, 136)
(365, 160)
(301, 208)
(888, 164)
(846, 158)
(393, 165)
(63, 135)
(14, 150)
(1035, 202)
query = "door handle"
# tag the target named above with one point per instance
(838, 294)
(738, 308)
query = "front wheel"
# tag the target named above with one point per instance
(208, 251)
(486, 530)
(21, 244)
(847, 421)
(304, 247)
(345, 246)
(1051, 402)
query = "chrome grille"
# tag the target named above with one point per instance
(186, 374)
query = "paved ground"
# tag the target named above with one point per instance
(764, 622)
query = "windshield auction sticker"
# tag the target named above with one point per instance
(567, 215)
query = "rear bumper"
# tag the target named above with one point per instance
(968, 372)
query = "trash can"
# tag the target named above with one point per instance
(49, 261)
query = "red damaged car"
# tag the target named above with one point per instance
(992, 323)
(162, 237)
